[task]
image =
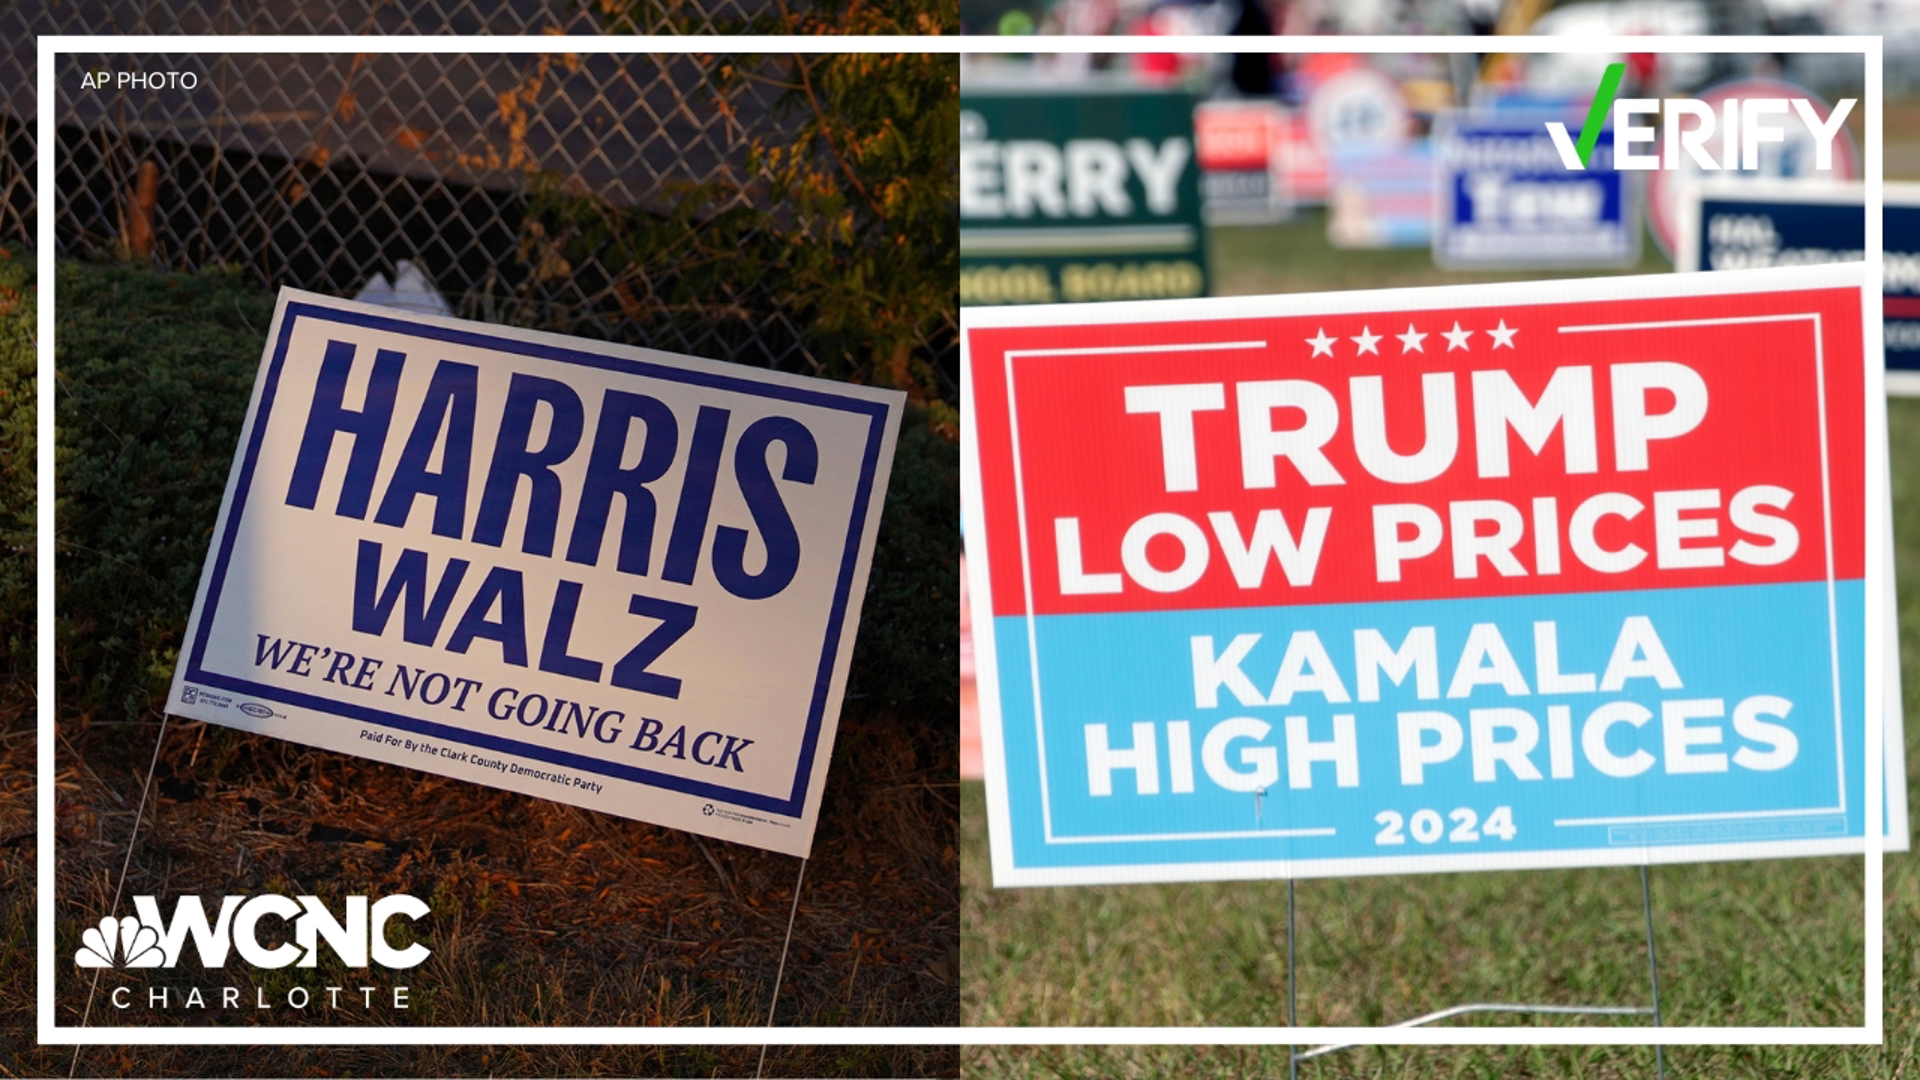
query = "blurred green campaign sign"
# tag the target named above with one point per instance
(1087, 193)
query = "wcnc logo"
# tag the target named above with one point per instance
(1743, 125)
(358, 937)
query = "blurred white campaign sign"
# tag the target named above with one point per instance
(603, 575)
(410, 290)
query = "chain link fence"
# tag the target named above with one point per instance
(320, 171)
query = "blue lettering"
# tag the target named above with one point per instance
(503, 585)
(675, 620)
(553, 650)
(605, 479)
(702, 741)
(493, 703)
(421, 623)
(648, 736)
(732, 750)
(450, 403)
(329, 417)
(676, 742)
(513, 459)
(769, 513)
(696, 495)
(338, 671)
(276, 652)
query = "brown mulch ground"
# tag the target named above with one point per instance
(543, 914)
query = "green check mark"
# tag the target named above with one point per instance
(1597, 112)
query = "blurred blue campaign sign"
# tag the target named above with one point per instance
(1380, 198)
(1505, 201)
(602, 575)
(1795, 156)
(1731, 224)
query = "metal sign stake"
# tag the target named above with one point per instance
(126, 863)
(1653, 969)
(1295, 1056)
(792, 913)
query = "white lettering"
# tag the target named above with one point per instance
(1160, 172)
(1416, 754)
(1498, 404)
(1343, 751)
(1141, 758)
(1211, 672)
(1271, 538)
(1175, 406)
(1677, 736)
(1785, 745)
(1193, 558)
(1670, 529)
(1370, 429)
(1074, 580)
(1305, 667)
(1371, 656)
(1264, 760)
(1260, 443)
(1486, 661)
(1634, 426)
(1593, 739)
(1639, 654)
(1489, 752)
(1389, 550)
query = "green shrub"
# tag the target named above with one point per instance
(17, 449)
(153, 372)
(908, 651)
(154, 375)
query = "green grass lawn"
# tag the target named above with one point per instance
(1770, 944)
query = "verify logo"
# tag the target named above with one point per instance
(1743, 125)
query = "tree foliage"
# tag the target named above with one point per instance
(845, 220)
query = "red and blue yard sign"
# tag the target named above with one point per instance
(1477, 577)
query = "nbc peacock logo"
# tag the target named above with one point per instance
(123, 943)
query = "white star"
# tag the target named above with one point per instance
(1456, 337)
(1322, 344)
(1368, 341)
(1410, 341)
(1502, 335)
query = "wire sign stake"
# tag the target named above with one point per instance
(1295, 1056)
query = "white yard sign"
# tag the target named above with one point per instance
(602, 575)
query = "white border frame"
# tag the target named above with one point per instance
(47, 1029)
(1870, 1033)
(1877, 524)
